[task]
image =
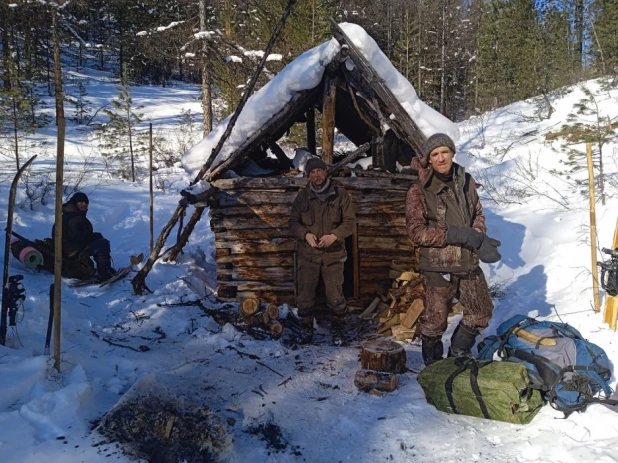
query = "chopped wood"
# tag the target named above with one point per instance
(457, 308)
(370, 309)
(401, 333)
(402, 276)
(276, 328)
(273, 311)
(249, 306)
(383, 355)
(412, 314)
(392, 322)
(369, 380)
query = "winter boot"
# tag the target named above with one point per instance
(462, 341)
(305, 335)
(337, 325)
(432, 349)
(104, 267)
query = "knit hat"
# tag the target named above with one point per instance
(314, 163)
(435, 141)
(79, 197)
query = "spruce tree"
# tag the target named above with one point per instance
(119, 138)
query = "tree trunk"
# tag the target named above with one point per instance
(206, 74)
(57, 67)
(6, 52)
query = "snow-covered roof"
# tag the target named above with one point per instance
(305, 73)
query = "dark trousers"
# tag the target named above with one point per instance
(308, 276)
(99, 247)
(471, 290)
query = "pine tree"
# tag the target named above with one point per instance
(587, 124)
(604, 40)
(120, 140)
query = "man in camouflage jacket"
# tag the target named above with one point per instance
(322, 218)
(444, 217)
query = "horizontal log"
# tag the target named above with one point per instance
(279, 259)
(268, 211)
(258, 286)
(267, 274)
(386, 220)
(242, 223)
(392, 242)
(252, 234)
(369, 380)
(352, 183)
(257, 246)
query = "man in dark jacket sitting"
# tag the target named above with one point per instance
(79, 241)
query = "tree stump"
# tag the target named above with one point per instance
(369, 380)
(383, 355)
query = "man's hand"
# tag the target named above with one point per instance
(327, 240)
(312, 240)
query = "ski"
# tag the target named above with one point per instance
(7, 249)
(119, 275)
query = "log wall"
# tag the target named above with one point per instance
(255, 250)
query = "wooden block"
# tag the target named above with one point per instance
(383, 355)
(611, 311)
(369, 380)
(402, 276)
(392, 322)
(457, 308)
(412, 314)
(401, 333)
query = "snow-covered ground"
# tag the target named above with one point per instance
(308, 392)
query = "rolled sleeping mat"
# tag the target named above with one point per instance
(26, 254)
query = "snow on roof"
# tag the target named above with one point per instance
(304, 73)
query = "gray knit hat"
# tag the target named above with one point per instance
(435, 141)
(314, 163)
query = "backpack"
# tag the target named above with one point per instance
(569, 371)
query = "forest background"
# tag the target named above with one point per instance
(464, 57)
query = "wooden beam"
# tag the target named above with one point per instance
(401, 119)
(285, 162)
(311, 145)
(328, 120)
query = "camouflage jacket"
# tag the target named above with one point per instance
(431, 207)
(310, 215)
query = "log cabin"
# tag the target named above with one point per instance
(254, 250)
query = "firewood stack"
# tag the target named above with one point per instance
(399, 311)
(256, 317)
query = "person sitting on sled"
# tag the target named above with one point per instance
(80, 241)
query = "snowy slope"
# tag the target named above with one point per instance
(545, 272)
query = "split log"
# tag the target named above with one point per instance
(383, 355)
(249, 306)
(369, 310)
(412, 314)
(394, 320)
(369, 380)
(401, 333)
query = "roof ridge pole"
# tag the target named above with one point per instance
(139, 281)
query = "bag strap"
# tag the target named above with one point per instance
(463, 365)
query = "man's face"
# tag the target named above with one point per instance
(317, 177)
(441, 159)
(82, 206)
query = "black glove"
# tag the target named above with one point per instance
(464, 236)
(488, 251)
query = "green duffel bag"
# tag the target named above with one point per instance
(485, 389)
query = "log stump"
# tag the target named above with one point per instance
(369, 380)
(383, 355)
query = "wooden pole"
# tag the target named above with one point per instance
(311, 146)
(328, 121)
(151, 194)
(58, 243)
(593, 231)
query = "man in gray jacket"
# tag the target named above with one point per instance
(322, 218)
